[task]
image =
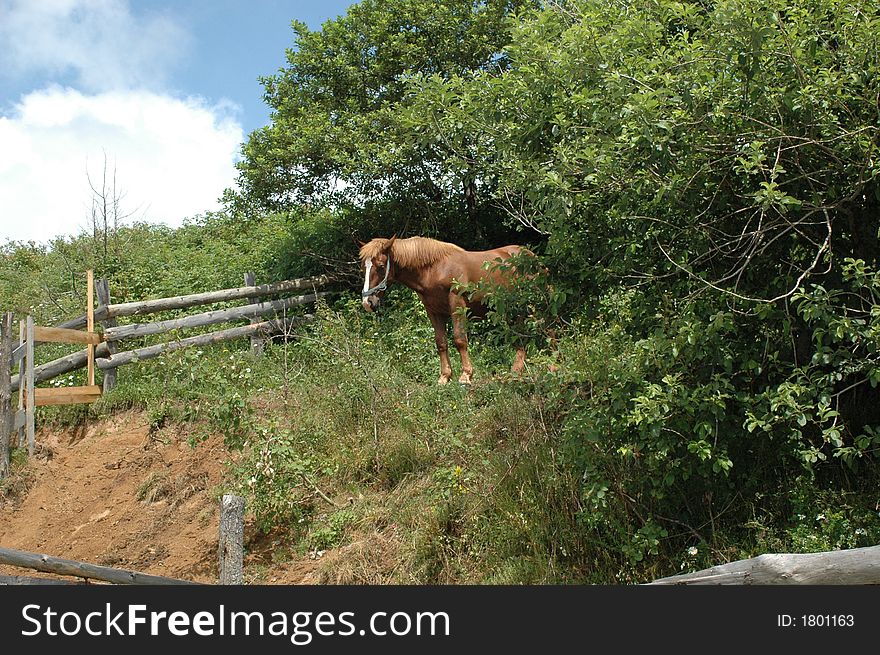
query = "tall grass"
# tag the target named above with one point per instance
(348, 452)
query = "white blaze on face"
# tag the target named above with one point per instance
(367, 275)
(369, 267)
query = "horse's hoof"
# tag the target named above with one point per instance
(466, 380)
(442, 381)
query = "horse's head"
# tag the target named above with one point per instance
(376, 256)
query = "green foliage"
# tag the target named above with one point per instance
(276, 476)
(524, 306)
(144, 261)
(700, 183)
(332, 532)
(685, 163)
(337, 134)
(825, 403)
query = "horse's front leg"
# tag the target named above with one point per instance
(439, 324)
(519, 361)
(459, 336)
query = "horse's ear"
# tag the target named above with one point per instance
(361, 243)
(390, 242)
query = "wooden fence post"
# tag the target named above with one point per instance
(29, 391)
(5, 391)
(231, 548)
(102, 289)
(90, 325)
(22, 366)
(257, 340)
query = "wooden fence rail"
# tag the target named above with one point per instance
(48, 564)
(148, 352)
(105, 351)
(208, 318)
(856, 566)
(102, 351)
(19, 580)
(230, 558)
(62, 365)
(196, 299)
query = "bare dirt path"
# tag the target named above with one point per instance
(114, 494)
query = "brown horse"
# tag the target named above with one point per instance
(434, 269)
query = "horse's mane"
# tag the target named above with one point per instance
(415, 252)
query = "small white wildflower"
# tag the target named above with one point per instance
(861, 531)
(820, 517)
(692, 551)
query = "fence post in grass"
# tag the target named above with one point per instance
(102, 289)
(29, 383)
(21, 368)
(90, 325)
(5, 391)
(231, 549)
(256, 339)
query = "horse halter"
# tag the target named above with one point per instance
(382, 285)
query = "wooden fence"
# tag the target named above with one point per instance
(856, 566)
(103, 350)
(59, 566)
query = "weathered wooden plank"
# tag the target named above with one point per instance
(29, 388)
(21, 409)
(66, 395)
(6, 414)
(62, 365)
(207, 318)
(231, 541)
(70, 399)
(149, 352)
(49, 564)
(90, 326)
(81, 321)
(856, 566)
(61, 335)
(17, 580)
(182, 302)
(18, 354)
(102, 289)
(78, 360)
(86, 390)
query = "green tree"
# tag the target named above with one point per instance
(696, 169)
(336, 134)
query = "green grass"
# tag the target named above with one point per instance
(343, 442)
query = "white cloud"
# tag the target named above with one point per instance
(101, 43)
(173, 158)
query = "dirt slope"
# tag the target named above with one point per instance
(114, 494)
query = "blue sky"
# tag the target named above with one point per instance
(165, 90)
(236, 41)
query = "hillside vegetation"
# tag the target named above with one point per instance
(701, 182)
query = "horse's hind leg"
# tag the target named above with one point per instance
(459, 335)
(519, 361)
(439, 324)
